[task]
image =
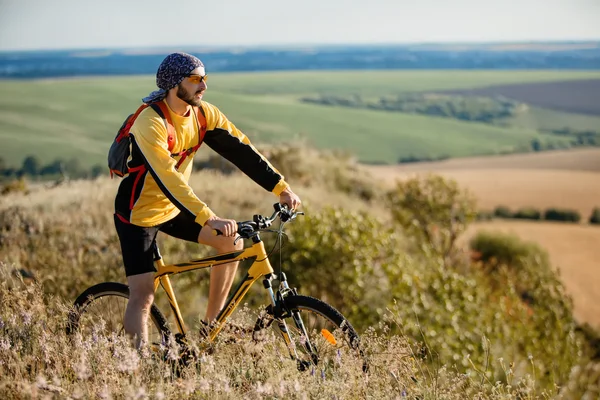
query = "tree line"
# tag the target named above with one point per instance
(66, 168)
(465, 108)
(531, 213)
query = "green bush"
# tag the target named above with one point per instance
(595, 217)
(503, 212)
(524, 284)
(528, 213)
(504, 249)
(341, 256)
(557, 214)
(432, 210)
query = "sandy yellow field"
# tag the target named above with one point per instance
(566, 179)
(569, 179)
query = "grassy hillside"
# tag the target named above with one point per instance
(436, 331)
(78, 117)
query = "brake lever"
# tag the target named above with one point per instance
(290, 215)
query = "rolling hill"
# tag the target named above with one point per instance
(67, 118)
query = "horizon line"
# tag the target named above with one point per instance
(313, 45)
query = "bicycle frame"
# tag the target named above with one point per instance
(260, 267)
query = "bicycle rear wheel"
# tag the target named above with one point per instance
(323, 338)
(101, 309)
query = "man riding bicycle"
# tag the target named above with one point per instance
(156, 196)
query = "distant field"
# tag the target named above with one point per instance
(78, 117)
(578, 159)
(580, 96)
(374, 83)
(569, 179)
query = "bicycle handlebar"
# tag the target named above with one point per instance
(247, 229)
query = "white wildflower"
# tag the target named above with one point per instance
(5, 344)
(81, 368)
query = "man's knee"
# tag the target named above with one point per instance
(141, 298)
(141, 289)
(220, 243)
(239, 245)
(228, 246)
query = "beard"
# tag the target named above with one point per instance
(189, 98)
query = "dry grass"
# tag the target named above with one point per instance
(37, 361)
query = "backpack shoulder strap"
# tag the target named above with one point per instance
(201, 132)
(161, 109)
(201, 117)
(124, 131)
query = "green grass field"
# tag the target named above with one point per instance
(78, 117)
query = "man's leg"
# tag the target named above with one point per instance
(221, 276)
(137, 247)
(141, 296)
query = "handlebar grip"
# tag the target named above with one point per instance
(216, 232)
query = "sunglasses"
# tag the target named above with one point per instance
(196, 79)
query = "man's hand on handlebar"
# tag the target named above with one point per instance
(227, 227)
(290, 198)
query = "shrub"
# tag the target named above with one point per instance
(595, 217)
(503, 212)
(556, 214)
(341, 256)
(507, 249)
(432, 210)
(525, 286)
(528, 213)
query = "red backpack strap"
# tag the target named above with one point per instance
(201, 124)
(124, 132)
(163, 111)
(201, 132)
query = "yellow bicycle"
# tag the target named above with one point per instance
(315, 333)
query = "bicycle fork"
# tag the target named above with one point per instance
(279, 315)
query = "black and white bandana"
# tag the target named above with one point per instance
(173, 69)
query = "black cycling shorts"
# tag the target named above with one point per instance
(137, 242)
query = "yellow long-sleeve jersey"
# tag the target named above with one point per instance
(155, 191)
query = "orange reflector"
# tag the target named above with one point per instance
(328, 336)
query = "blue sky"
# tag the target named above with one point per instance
(68, 24)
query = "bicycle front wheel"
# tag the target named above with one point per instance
(101, 309)
(323, 339)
